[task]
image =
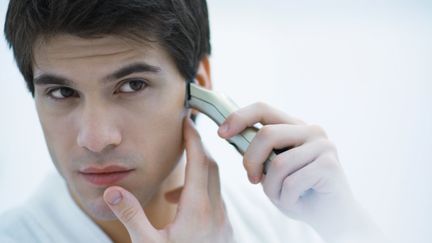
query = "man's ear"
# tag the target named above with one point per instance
(203, 75)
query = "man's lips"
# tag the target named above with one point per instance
(105, 175)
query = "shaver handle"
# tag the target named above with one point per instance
(218, 107)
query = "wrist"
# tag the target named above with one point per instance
(345, 222)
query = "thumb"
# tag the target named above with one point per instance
(129, 211)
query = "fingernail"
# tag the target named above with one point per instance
(254, 179)
(113, 197)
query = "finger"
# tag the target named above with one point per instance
(289, 162)
(218, 212)
(252, 114)
(296, 185)
(129, 211)
(271, 137)
(214, 183)
(308, 181)
(197, 165)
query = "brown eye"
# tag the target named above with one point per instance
(132, 86)
(62, 93)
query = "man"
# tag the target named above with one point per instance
(108, 80)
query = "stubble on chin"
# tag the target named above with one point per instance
(95, 208)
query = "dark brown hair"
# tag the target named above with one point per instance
(180, 26)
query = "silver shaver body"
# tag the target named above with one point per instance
(218, 107)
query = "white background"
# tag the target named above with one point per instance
(360, 69)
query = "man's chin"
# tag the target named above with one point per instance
(94, 207)
(99, 210)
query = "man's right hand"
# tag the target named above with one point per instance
(201, 214)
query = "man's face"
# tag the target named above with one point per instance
(109, 101)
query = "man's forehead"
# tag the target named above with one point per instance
(66, 46)
(71, 55)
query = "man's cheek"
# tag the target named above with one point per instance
(56, 156)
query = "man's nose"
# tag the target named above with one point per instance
(98, 130)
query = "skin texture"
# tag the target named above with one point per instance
(108, 122)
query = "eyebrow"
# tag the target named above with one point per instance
(51, 79)
(46, 78)
(132, 68)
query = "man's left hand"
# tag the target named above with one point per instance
(305, 182)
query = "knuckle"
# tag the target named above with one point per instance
(331, 146)
(128, 214)
(328, 163)
(266, 132)
(250, 164)
(235, 116)
(326, 144)
(317, 130)
(252, 169)
(247, 163)
(278, 163)
(261, 105)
